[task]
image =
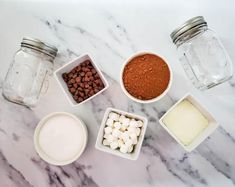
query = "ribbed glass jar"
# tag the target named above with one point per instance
(28, 71)
(202, 54)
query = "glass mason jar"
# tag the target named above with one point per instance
(28, 71)
(201, 53)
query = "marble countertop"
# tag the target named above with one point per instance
(111, 31)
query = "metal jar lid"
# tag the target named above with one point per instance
(40, 46)
(190, 27)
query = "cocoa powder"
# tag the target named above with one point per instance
(146, 76)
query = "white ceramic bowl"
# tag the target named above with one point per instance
(132, 156)
(139, 100)
(206, 132)
(68, 67)
(47, 158)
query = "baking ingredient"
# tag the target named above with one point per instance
(83, 81)
(121, 132)
(185, 121)
(146, 76)
(61, 137)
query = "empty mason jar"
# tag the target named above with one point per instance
(201, 53)
(28, 71)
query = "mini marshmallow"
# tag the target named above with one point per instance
(131, 130)
(130, 149)
(135, 141)
(106, 135)
(105, 142)
(121, 118)
(116, 133)
(123, 128)
(117, 125)
(126, 122)
(114, 145)
(125, 136)
(137, 131)
(133, 123)
(108, 130)
(120, 142)
(109, 122)
(128, 143)
(111, 138)
(133, 135)
(114, 116)
(140, 123)
(124, 148)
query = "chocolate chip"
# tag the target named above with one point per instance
(93, 71)
(78, 79)
(75, 85)
(72, 81)
(70, 75)
(72, 90)
(78, 68)
(80, 99)
(86, 79)
(81, 85)
(83, 81)
(88, 74)
(96, 90)
(87, 62)
(75, 97)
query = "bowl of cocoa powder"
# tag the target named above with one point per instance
(145, 77)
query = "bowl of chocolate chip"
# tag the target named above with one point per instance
(145, 77)
(81, 80)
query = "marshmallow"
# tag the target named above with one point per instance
(123, 128)
(135, 141)
(133, 135)
(128, 142)
(140, 123)
(137, 131)
(130, 149)
(124, 148)
(117, 125)
(114, 145)
(108, 130)
(114, 116)
(105, 142)
(131, 129)
(126, 122)
(116, 133)
(120, 142)
(121, 118)
(111, 138)
(106, 135)
(133, 123)
(125, 136)
(109, 122)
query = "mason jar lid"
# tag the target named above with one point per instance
(190, 26)
(40, 46)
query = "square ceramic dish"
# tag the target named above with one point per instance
(212, 123)
(68, 67)
(133, 155)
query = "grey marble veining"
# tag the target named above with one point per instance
(110, 33)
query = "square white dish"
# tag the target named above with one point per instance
(213, 124)
(68, 67)
(133, 155)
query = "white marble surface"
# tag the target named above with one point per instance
(111, 31)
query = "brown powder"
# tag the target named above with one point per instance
(146, 76)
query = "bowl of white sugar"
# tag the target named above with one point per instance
(60, 138)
